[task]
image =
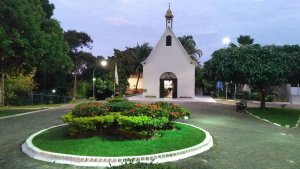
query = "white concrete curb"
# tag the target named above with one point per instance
(39, 154)
(272, 122)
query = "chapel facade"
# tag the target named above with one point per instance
(169, 72)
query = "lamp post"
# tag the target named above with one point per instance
(226, 41)
(103, 64)
(53, 92)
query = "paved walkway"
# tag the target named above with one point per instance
(240, 141)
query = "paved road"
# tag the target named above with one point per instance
(240, 141)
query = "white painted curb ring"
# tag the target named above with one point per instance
(39, 154)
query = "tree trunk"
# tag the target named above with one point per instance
(263, 99)
(75, 85)
(137, 83)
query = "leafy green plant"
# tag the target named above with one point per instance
(116, 99)
(174, 111)
(120, 106)
(142, 122)
(90, 108)
(255, 96)
(122, 118)
(270, 98)
(80, 126)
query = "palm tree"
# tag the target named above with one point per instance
(244, 40)
(140, 53)
(189, 45)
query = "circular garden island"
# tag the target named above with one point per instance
(119, 132)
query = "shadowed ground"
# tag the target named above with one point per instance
(240, 140)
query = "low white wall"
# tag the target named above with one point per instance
(295, 91)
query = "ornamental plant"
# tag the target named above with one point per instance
(89, 109)
(116, 99)
(120, 106)
(122, 118)
(174, 111)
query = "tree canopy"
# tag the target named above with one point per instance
(243, 40)
(260, 66)
(77, 41)
(189, 45)
(30, 38)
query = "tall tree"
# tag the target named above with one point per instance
(140, 53)
(19, 83)
(189, 45)
(125, 63)
(77, 41)
(29, 38)
(48, 8)
(260, 66)
(245, 40)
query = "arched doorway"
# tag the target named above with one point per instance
(168, 85)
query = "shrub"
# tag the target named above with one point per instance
(139, 122)
(116, 99)
(140, 127)
(174, 111)
(269, 98)
(124, 119)
(81, 126)
(150, 110)
(255, 96)
(91, 108)
(120, 106)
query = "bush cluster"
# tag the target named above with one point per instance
(122, 118)
(257, 97)
(87, 109)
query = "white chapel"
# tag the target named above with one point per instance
(169, 72)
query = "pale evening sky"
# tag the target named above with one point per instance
(124, 23)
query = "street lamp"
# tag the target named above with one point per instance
(103, 63)
(53, 92)
(226, 41)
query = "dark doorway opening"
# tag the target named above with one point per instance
(168, 85)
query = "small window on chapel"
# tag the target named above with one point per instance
(168, 40)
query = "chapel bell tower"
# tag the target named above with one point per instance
(169, 18)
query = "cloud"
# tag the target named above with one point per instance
(118, 21)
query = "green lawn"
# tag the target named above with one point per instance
(54, 140)
(283, 116)
(12, 110)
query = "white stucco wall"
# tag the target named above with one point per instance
(169, 59)
(132, 82)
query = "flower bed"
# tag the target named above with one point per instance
(122, 118)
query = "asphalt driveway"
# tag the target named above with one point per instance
(240, 141)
